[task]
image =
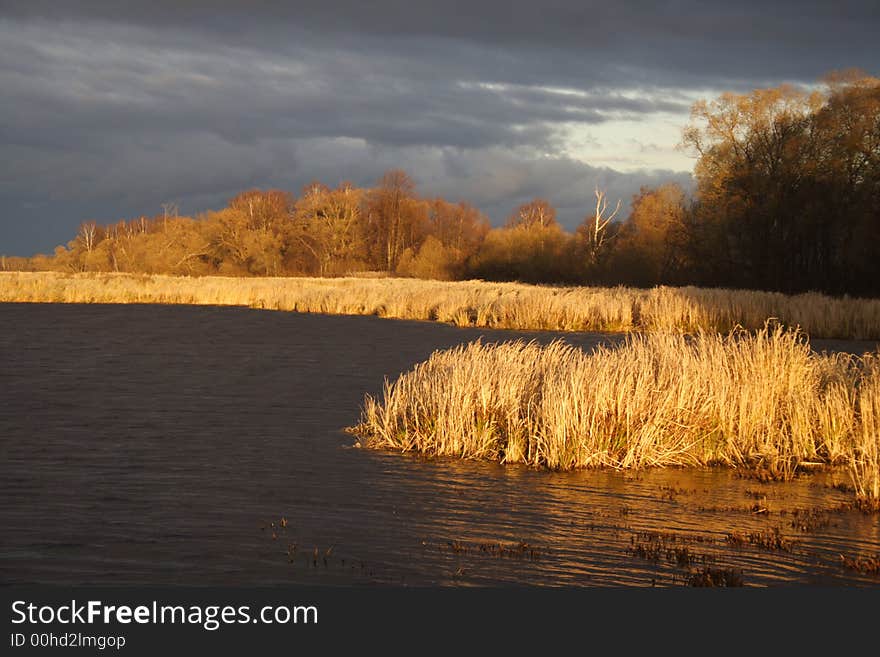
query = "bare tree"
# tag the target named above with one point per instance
(171, 210)
(392, 217)
(537, 212)
(88, 233)
(598, 233)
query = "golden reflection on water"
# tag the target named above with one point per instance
(166, 459)
(653, 528)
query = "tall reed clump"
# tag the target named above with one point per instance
(470, 303)
(742, 399)
(865, 449)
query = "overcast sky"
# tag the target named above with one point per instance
(111, 108)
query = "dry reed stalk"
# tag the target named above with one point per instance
(865, 448)
(469, 303)
(742, 399)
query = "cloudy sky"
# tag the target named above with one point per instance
(111, 108)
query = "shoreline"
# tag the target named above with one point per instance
(479, 304)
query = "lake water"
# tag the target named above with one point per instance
(158, 444)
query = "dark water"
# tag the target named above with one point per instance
(156, 444)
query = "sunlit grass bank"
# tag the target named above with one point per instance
(759, 399)
(470, 303)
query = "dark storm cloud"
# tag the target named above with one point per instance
(703, 38)
(82, 84)
(110, 108)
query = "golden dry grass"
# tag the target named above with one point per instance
(745, 399)
(761, 398)
(865, 451)
(470, 303)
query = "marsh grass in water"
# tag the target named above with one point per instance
(757, 397)
(715, 577)
(869, 565)
(744, 399)
(470, 303)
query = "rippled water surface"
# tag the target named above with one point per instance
(162, 444)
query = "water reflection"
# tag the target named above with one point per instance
(165, 444)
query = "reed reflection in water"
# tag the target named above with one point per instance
(154, 444)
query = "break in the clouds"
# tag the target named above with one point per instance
(110, 109)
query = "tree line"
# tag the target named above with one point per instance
(787, 198)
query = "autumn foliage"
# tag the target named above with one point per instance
(787, 199)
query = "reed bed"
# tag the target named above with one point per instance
(760, 399)
(865, 452)
(470, 303)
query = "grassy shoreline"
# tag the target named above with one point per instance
(470, 303)
(734, 391)
(760, 400)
